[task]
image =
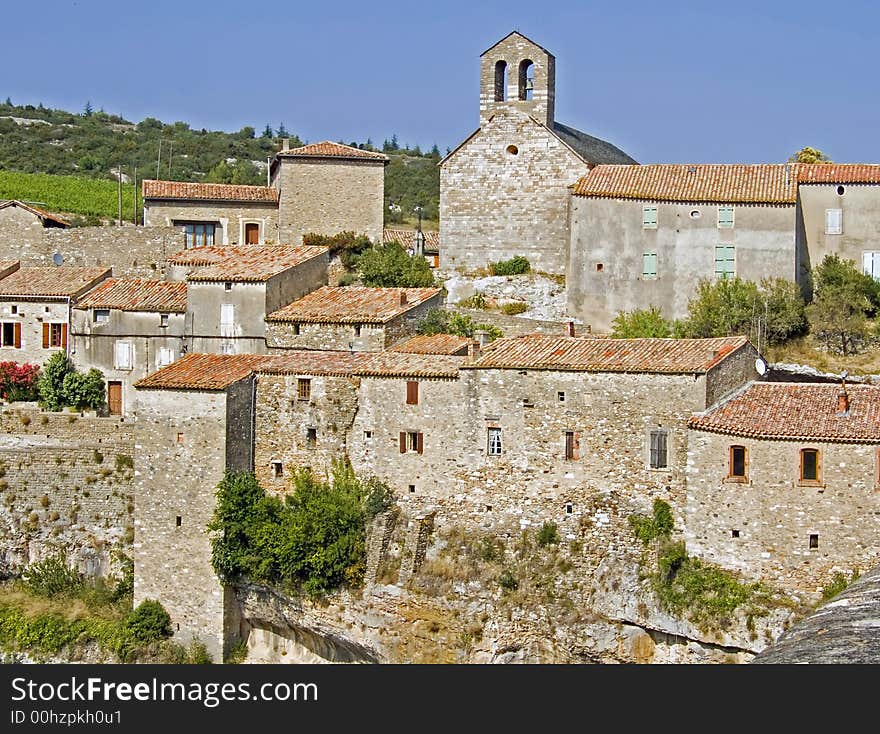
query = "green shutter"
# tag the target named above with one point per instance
(649, 265)
(724, 261)
(649, 217)
(725, 217)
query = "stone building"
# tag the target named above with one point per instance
(646, 235)
(350, 318)
(428, 244)
(504, 191)
(783, 480)
(213, 214)
(36, 306)
(25, 225)
(329, 188)
(127, 328)
(231, 290)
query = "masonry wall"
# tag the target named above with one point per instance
(181, 458)
(20, 227)
(282, 421)
(32, 314)
(294, 283)
(774, 514)
(66, 486)
(731, 373)
(230, 217)
(330, 196)
(203, 302)
(514, 49)
(94, 344)
(859, 204)
(605, 274)
(495, 204)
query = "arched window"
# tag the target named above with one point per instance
(500, 81)
(526, 79)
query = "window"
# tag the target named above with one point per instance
(560, 396)
(649, 217)
(649, 265)
(311, 437)
(871, 264)
(526, 79)
(100, 315)
(227, 285)
(569, 508)
(368, 435)
(737, 466)
(411, 442)
(10, 335)
(734, 533)
(809, 466)
(724, 261)
(179, 438)
(833, 221)
(178, 521)
(277, 470)
(412, 488)
(303, 388)
(163, 320)
(659, 442)
(54, 335)
(357, 329)
(814, 540)
(227, 346)
(725, 217)
(14, 309)
(164, 357)
(500, 81)
(572, 445)
(122, 356)
(198, 234)
(227, 319)
(252, 233)
(295, 329)
(412, 392)
(494, 442)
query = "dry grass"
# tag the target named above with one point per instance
(69, 609)
(805, 351)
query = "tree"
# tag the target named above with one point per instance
(9, 102)
(247, 132)
(282, 131)
(87, 110)
(441, 321)
(267, 131)
(645, 322)
(51, 385)
(389, 266)
(810, 155)
(84, 390)
(435, 152)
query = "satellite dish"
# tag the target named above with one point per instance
(760, 366)
(58, 258)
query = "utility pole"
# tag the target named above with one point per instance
(134, 220)
(119, 192)
(159, 159)
(170, 156)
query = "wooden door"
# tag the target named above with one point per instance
(252, 234)
(114, 397)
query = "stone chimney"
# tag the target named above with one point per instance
(285, 143)
(569, 328)
(474, 350)
(842, 401)
(482, 337)
(402, 297)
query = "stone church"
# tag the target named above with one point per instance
(504, 191)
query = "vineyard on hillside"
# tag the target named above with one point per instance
(68, 194)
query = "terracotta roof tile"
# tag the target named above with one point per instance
(313, 362)
(329, 149)
(245, 263)
(202, 372)
(137, 294)
(44, 215)
(400, 364)
(671, 356)
(434, 344)
(7, 267)
(407, 238)
(796, 412)
(765, 183)
(153, 189)
(353, 304)
(835, 173)
(59, 282)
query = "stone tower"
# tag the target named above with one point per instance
(519, 74)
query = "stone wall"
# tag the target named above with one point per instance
(513, 49)
(66, 486)
(330, 196)
(32, 314)
(20, 231)
(229, 216)
(496, 203)
(762, 527)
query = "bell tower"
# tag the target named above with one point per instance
(517, 73)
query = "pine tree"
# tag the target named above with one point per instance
(87, 110)
(282, 131)
(267, 133)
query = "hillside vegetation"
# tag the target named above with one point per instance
(92, 145)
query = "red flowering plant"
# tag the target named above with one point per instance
(18, 381)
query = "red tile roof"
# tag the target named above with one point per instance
(8, 267)
(202, 372)
(313, 362)
(44, 215)
(353, 304)
(434, 344)
(137, 294)
(796, 412)
(244, 263)
(183, 190)
(838, 173)
(399, 364)
(407, 238)
(54, 282)
(546, 352)
(765, 183)
(329, 149)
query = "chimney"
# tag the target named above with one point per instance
(569, 328)
(473, 350)
(402, 297)
(482, 337)
(285, 143)
(842, 401)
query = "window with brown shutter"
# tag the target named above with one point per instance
(420, 443)
(412, 393)
(411, 441)
(17, 331)
(45, 335)
(402, 442)
(572, 446)
(63, 336)
(10, 334)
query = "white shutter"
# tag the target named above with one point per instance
(227, 319)
(165, 357)
(833, 221)
(123, 355)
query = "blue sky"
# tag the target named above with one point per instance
(666, 81)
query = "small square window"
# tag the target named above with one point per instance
(101, 315)
(178, 521)
(494, 442)
(179, 438)
(311, 437)
(560, 396)
(569, 508)
(163, 320)
(368, 435)
(14, 309)
(227, 285)
(46, 309)
(814, 540)
(488, 508)
(357, 329)
(412, 488)
(734, 533)
(295, 329)
(277, 470)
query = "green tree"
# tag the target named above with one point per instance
(645, 322)
(267, 131)
(441, 321)
(87, 110)
(51, 385)
(809, 155)
(389, 266)
(247, 132)
(843, 298)
(282, 131)
(84, 390)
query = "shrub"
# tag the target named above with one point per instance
(389, 266)
(52, 577)
(440, 321)
(148, 622)
(347, 245)
(84, 390)
(640, 323)
(507, 581)
(51, 384)
(837, 584)
(478, 300)
(378, 497)
(658, 525)
(124, 461)
(19, 381)
(512, 309)
(548, 534)
(515, 266)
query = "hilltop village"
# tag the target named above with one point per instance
(227, 342)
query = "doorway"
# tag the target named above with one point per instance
(114, 397)
(252, 233)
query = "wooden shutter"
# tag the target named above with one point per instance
(16, 335)
(412, 393)
(45, 335)
(420, 443)
(402, 442)
(576, 446)
(64, 336)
